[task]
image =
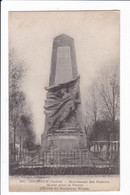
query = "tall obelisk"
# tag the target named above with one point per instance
(64, 127)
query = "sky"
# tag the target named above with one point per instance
(96, 36)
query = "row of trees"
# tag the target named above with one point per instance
(21, 134)
(103, 105)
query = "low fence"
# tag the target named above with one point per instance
(105, 150)
(46, 158)
(100, 158)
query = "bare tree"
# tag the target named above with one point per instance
(103, 104)
(16, 98)
(92, 105)
(18, 108)
(109, 90)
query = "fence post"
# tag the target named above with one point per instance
(74, 157)
(46, 158)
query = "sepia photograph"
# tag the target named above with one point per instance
(64, 101)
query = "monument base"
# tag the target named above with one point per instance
(62, 139)
(64, 147)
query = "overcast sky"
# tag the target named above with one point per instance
(31, 34)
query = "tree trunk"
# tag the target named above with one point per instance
(14, 144)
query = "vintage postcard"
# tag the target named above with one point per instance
(64, 101)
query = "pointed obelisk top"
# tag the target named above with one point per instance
(63, 40)
(63, 62)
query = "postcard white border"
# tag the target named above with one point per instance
(124, 8)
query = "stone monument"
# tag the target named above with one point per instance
(64, 127)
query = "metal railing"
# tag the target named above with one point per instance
(100, 154)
